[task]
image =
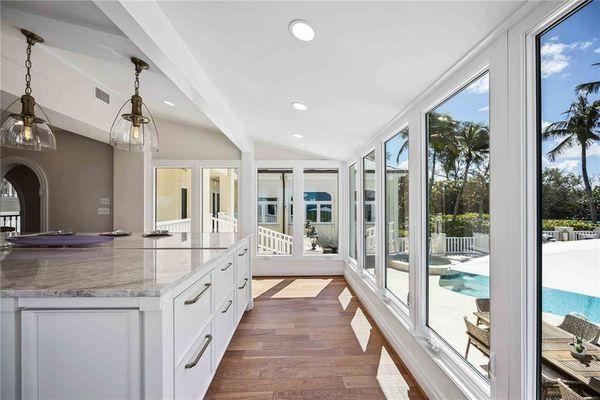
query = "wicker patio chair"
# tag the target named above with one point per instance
(478, 337)
(574, 392)
(580, 327)
(483, 305)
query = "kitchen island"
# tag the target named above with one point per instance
(133, 318)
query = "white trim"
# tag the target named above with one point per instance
(8, 163)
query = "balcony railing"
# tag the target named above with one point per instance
(9, 222)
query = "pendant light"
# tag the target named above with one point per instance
(135, 131)
(25, 130)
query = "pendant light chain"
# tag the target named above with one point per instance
(28, 68)
(136, 85)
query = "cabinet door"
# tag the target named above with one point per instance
(241, 262)
(194, 373)
(224, 325)
(80, 354)
(242, 297)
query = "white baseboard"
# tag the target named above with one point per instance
(282, 267)
(432, 379)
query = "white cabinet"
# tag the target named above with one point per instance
(242, 297)
(224, 278)
(80, 354)
(224, 325)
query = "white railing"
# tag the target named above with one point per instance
(11, 220)
(370, 241)
(176, 225)
(456, 245)
(224, 223)
(573, 235)
(273, 242)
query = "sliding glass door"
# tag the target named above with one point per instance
(172, 199)
(275, 189)
(321, 212)
(219, 200)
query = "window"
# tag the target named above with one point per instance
(352, 207)
(274, 214)
(172, 201)
(369, 227)
(458, 222)
(396, 215)
(219, 204)
(320, 203)
(569, 188)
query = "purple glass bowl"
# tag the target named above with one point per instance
(59, 241)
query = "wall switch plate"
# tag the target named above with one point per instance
(104, 201)
(103, 211)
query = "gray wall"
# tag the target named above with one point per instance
(79, 174)
(129, 190)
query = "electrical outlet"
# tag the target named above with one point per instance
(103, 211)
(104, 201)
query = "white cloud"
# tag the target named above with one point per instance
(545, 124)
(597, 50)
(481, 85)
(575, 152)
(554, 59)
(585, 45)
(567, 165)
(482, 109)
(553, 38)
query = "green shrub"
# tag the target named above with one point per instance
(464, 224)
(576, 224)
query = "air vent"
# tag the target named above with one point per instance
(102, 95)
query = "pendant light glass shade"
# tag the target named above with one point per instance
(135, 131)
(25, 130)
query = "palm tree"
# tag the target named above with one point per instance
(404, 135)
(589, 87)
(473, 143)
(580, 128)
(442, 142)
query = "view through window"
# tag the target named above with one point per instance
(219, 200)
(396, 215)
(321, 212)
(173, 206)
(352, 207)
(458, 266)
(275, 212)
(369, 245)
(569, 182)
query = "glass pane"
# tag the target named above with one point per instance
(369, 247)
(396, 215)
(569, 182)
(275, 226)
(320, 199)
(458, 221)
(219, 203)
(173, 205)
(352, 207)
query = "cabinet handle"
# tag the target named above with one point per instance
(226, 267)
(208, 339)
(227, 308)
(195, 299)
(242, 253)
(244, 285)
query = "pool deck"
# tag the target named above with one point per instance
(572, 266)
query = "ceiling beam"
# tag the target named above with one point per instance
(148, 28)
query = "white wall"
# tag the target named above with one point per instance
(263, 151)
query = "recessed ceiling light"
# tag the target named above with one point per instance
(169, 103)
(299, 106)
(297, 135)
(302, 30)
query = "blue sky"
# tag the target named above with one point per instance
(567, 52)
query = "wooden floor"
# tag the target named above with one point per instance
(310, 338)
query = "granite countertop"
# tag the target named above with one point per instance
(127, 267)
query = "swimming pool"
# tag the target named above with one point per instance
(554, 301)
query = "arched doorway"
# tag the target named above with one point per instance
(30, 189)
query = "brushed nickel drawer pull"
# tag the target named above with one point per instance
(227, 308)
(226, 267)
(195, 299)
(244, 252)
(208, 339)
(244, 285)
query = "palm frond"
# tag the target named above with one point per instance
(566, 144)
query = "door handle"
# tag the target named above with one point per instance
(195, 299)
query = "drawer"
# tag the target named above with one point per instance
(194, 373)
(192, 311)
(223, 275)
(223, 326)
(241, 263)
(241, 297)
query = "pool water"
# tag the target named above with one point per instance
(554, 301)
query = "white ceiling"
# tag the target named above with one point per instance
(367, 62)
(80, 35)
